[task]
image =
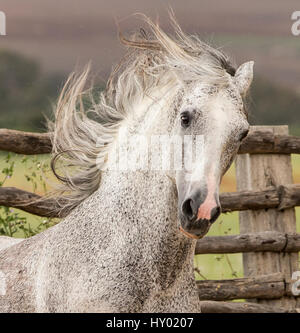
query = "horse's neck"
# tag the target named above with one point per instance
(142, 205)
(145, 210)
(143, 192)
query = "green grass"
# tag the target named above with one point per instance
(209, 266)
(27, 173)
(220, 266)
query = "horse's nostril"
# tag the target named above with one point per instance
(188, 209)
(215, 212)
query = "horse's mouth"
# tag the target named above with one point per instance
(200, 229)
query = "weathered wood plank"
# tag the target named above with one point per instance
(244, 200)
(262, 141)
(25, 142)
(273, 241)
(289, 196)
(254, 173)
(270, 286)
(27, 201)
(240, 307)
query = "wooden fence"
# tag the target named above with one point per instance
(266, 198)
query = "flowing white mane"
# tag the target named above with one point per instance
(81, 142)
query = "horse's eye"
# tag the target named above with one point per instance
(185, 119)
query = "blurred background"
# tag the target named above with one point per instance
(47, 39)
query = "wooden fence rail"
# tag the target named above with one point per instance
(25, 142)
(257, 141)
(270, 286)
(27, 201)
(267, 241)
(281, 197)
(241, 307)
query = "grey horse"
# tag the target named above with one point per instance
(127, 240)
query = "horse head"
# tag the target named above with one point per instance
(217, 115)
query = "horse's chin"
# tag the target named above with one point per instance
(198, 233)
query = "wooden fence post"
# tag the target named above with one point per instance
(256, 172)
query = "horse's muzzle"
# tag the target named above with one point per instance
(197, 215)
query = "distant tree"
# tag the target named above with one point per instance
(274, 105)
(25, 92)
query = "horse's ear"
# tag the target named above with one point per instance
(244, 76)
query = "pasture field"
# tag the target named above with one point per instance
(27, 174)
